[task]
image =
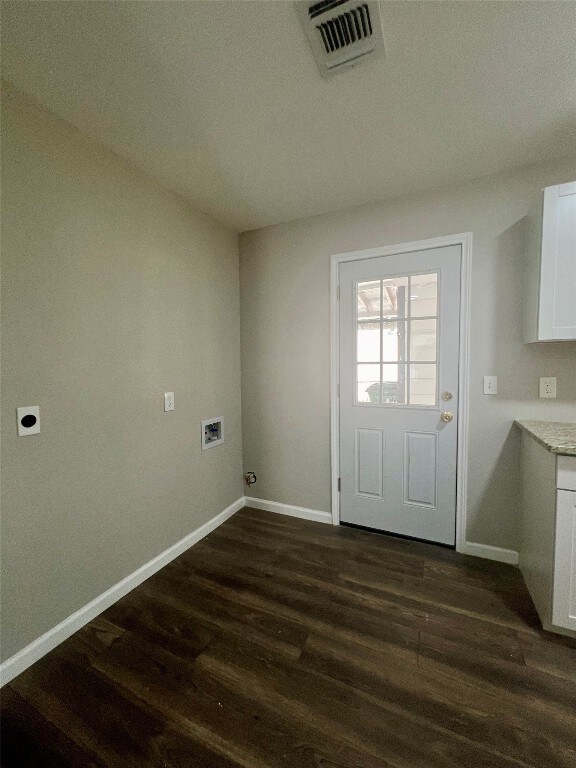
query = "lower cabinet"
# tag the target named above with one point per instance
(547, 555)
(564, 589)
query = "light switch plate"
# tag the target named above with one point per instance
(168, 401)
(490, 385)
(548, 386)
(28, 420)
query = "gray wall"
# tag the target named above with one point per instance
(113, 291)
(284, 273)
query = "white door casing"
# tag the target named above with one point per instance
(402, 468)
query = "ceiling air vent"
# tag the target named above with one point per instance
(342, 32)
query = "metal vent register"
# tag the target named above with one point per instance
(342, 33)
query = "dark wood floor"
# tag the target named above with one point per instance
(280, 642)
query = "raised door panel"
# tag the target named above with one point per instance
(420, 468)
(369, 462)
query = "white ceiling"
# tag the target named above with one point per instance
(222, 100)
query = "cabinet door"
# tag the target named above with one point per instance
(564, 596)
(557, 316)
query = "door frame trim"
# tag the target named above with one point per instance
(465, 241)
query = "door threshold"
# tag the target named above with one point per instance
(397, 535)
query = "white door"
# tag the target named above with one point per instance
(558, 267)
(399, 346)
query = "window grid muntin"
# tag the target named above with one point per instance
(406, 363)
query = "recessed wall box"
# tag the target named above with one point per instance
(212, 432)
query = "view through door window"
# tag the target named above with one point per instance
(396, 340)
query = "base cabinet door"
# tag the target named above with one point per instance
(564, 594)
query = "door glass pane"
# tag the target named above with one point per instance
(423, 340)
(368, 300)
(393, 341)
(423, 384)
(393, 384)
(424, 295)
(368, 343)
(394, 297)
(368, 383)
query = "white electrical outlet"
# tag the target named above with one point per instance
(490, 385)
(168, 401)
(548, 386)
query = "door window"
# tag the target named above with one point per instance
(397, 340)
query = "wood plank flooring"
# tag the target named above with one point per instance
(278, 642)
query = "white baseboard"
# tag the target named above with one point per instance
(16, 664)
(490, 553)
(49, 640)
(288, 509)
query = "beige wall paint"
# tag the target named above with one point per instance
(284, 273)
(113, 291)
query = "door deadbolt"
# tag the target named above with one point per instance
(447, 416)
(446, 395)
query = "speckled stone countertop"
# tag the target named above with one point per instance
(557, 436)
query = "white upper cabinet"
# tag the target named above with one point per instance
(551, 273)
